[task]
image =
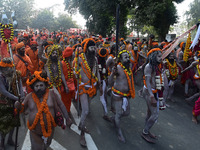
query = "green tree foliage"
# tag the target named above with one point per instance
(158, 14)
(64, 22)
(101, 15)
(193, 13)
(45, 18)
(23, 10)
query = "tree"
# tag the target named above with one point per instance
(157, 14)
(64, 21)
(100, 15)
(193, 13)
(43, 18)
(23, 10)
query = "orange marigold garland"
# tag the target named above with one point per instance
(3, 64)
(130, 82)
(92, 78)
(42, 108)
(153, 50)
(37, 76)
(173, 69)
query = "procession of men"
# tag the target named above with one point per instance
(43, 74)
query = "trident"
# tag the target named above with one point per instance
(7, 39)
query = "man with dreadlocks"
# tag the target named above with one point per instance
(54, 69)
(89, 76)
(44, 106)
(102, 55)
(122, 90)
(8, 95)
(153, 83)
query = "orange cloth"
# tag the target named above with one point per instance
(4, 49)
(67, 52)
(19, 45)
(20, 65)
(67, 97)
(34, 58)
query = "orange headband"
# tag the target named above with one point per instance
(37, 76)
(3, 64)
(153, 50)
(106, 54)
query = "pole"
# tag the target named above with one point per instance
(78, 82)
(117, 29)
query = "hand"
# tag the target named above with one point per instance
(69, 122)
(17, 105)
(153, 101)
(66, 90)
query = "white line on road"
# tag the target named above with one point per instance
(27, 144)
(55, 145)
(90, 143)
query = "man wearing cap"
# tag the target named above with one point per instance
(69, 77)
(23, 62)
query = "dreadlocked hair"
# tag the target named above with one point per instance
(152, 60)
(43, 75)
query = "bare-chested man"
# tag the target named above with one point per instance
(122, 90)
(8, 95)
(42, 104)
(171, 70)
(196, 109)
(88, 81)
(152, 84)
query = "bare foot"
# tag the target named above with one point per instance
(82, 141)
(105, 117)
(148, 138)
(120, 136)
(153, 136)
(194, 119)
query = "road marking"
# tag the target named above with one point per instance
(27, 143)
(90, 143)
(55, 145)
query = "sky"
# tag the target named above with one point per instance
(181, 8)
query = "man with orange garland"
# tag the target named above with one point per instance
(89, 78)
(69, 77)
(122, 90)
(171, 70)
(8, 96)
(23, 62)
(43, 105)
(153, 83)
(196, 108)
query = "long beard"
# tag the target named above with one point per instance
(54, 58)
(127, 65)
(90, 59)
(40, 93)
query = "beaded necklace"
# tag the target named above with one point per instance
(69, 70)
(56, 81)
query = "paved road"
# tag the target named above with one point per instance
(174, 129)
